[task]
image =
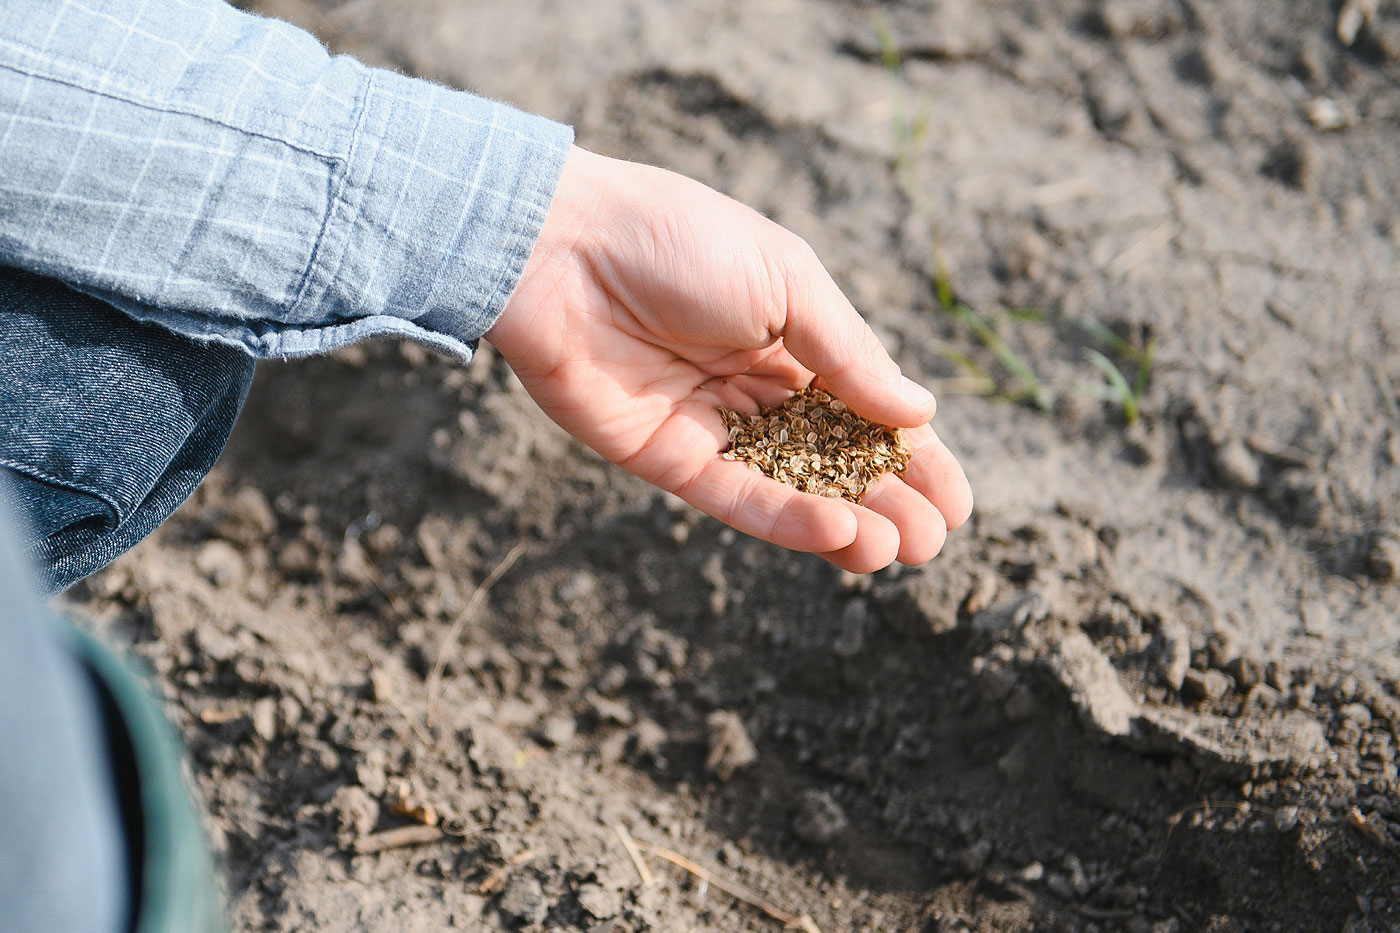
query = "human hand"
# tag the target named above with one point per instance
(651, 299)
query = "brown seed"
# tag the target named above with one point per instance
(830, 450)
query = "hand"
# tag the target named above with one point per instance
(651, 299)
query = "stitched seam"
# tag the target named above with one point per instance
(188, 112)
(338, 199)
(46, 477)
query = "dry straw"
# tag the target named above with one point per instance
(814, 443)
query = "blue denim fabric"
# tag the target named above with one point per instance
(220, 174)
(106, 424)
(64, 863)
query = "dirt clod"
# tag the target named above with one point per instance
(818, 818)
(1204, 685)
(356, 813)
(1384, 559)
(730, 747)
(220, 563)
(599, 902)
(523, 900)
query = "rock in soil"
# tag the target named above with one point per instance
(599, 902)
(730, 747)
(818, 818)
(522, 899)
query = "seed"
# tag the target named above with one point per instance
(815, 443)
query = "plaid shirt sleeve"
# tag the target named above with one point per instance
(221, 175)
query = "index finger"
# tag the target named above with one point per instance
(827, 335)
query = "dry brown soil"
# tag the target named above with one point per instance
(1152, 686)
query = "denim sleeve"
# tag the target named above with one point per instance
(221, 175)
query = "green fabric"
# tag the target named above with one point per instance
(177, 890)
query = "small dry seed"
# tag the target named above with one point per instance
(832, 451)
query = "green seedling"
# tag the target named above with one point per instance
(910, 130)
(1116, 388)
(1027, 387)
(909, 136)
(975, 379)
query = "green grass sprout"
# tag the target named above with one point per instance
(1138, 358)
(1116, 385)
(1012, 379)
(1027, 387)
(910, 129)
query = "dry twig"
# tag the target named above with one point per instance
(1358, 821)
(395, 838)
(454, 632)
(789, 921)
(459, 828)
(498, 877)
(630, 847)
(1205, 806)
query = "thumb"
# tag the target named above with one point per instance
(828, 336)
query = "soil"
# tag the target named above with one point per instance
(1152, 686)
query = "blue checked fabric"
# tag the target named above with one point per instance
(219, 174)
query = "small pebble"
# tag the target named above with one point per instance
(220, 563)
(1246, 670)
(648, 738)
(1174, 657)
(296, 561)
(730, 746)
(818, 818)
(1384, 559)
(523, 900)
(976, 856)
(1358, 713)
(558, 730)
(1262, 697)
(1237, 465)
(1204, 685)
(599, 902)
(265, 718)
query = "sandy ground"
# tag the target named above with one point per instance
(1153, 685)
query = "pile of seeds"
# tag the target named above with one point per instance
(814, 443)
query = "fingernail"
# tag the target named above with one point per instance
(914, 394)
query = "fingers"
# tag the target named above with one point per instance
(904, 518)
(826, 334)
(876, 543)
(746, 393)
(893, 522)
(920, 526)
(745, 499)
(936, 475)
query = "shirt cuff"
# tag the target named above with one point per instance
(430, 222)
(437, 213)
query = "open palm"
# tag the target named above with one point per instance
(650, 300)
